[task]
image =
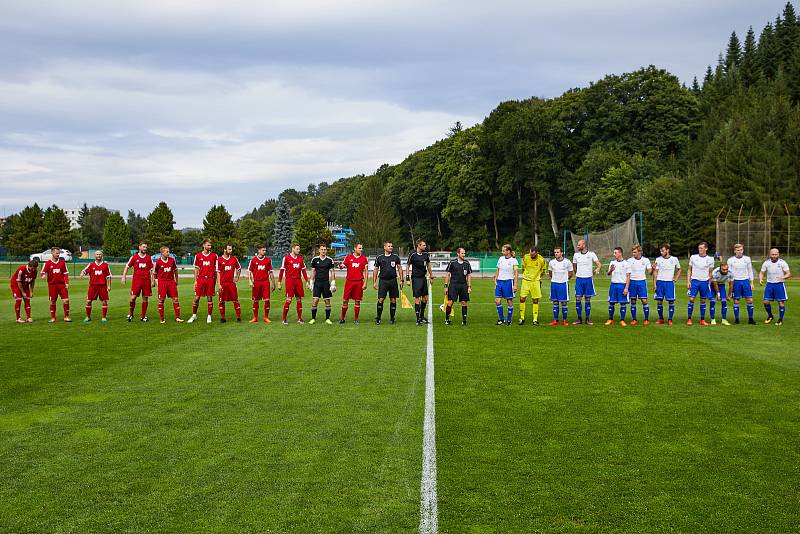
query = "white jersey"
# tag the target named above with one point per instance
(639, 268)
(584, 263)
(719, 278)
(620, 272)
(505, 268)
(560, 270)
(775, 270)
(701, 266)
(741, 268)
(666, 268)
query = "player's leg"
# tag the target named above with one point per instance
(195, 305)
(88, 309)
(535, 310)
(144, 307)
(522, 306)
(176, 306)
(379, 306)
(509, 310)
(634, 314)
(781, 311)
(132, 303)
(286, 303)
(392, 308)
(327, 309)
(498, 303)
(623, 309)
(423, 303)
(578, 307)
(356, 310)
(161, 308)
(26, 298)
(18, 307)
(448, 308)
(464, 310)
(104, 309)
(237, 308)
(314, 304)
(646, 310)
(345, 305)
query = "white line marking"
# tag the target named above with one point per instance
(429, 517)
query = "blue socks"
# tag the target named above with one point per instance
(781, 311)
(713, 305)
(690, 309)
(751, 308)
(500, 311)
(588, 307)
(564, 310)
(768, 307)
(579, 309)
(633, 311)
(660, 307)
(671, 309)
(510, 313)
(646, 308)
(555, 311)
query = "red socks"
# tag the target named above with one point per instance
(17, 306)
(299, 310)
(285, 310)
(144, 309)
(356, 310)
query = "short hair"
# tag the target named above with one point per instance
(34, 262)
(206, 240)
(618, 249)
(737, 245)
(295, 244)
(557, 247)
(357, 243)
(703, 243)
(322, 245)
(259, 247)
(534, 248)
(637, 247)
(420, 241)
(229, 244)
(164, 247)
(55, 248)
(664, 245)
(387, 243)
(143, 243)
(461, 248)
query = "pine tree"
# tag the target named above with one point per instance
(56, 229)
(83, 215)
(376, 220)
(748, 67)
(793, 76)
(695, 86)
(311, 231)
(26, 236)
(283, 231)
(786, 34)
(137, 225)
(733, 55)
(219, 228)
(161, 229)
(116, 237)
(766, 56)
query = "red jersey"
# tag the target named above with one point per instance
(166, 271)
(142, 265)
(98, 273)
(294, 267)
(23, 276)
(207, 265)
(227, 268)
(260, 268)
(355, 267)
(56, 271)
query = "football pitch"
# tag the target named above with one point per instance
(319, 428)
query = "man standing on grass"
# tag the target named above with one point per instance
(533, 268)
(387, 268)
(142, 282)
(640, 268)
(294, 267)
(261, 280)
(741, 268)
(560, 271)
(55, 270)
(22, 282)
(458, 285)
(323, 283)
(666, 274)
(620, 271)
(777, 272)
(205, 276)
(99, 285)
(583, 263)
(698, 281)
(505, 284)
(720, 278)
(355, 281)
(165, 270)
(419, 266)
(228, 272)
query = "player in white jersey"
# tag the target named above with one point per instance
(505, 279)
(721, 290)
(698, 281)
(777, 272)
(560, 271)
(741, 268)
(666, 272)
(620, 271)
(585, 263)
(640, 268)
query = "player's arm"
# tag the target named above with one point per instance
(516, 275)
(446, 279)
(272, 278)
(280, 272)
(496, 274)
(238, 272)
(153, 276)
(730, 288)
(399, 273)
(303, 270)
(375, 274)
(570, 273)
(610, 268)
(598, 264)
(19, 283)
(469, 282)
(332, 272)
(430, 270)
(627, 283)
(66, 276)
(218, 277)
(761, 274)
(125, 271)
(408, 267)
(689, 275)
(787, 273)
(716, 286)
(677, 273)
(365, 274)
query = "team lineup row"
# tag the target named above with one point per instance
(219, 274)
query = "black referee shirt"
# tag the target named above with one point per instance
(419, 264)
(387, 266)
(459, 271)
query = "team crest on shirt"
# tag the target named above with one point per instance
(392, 264)
(56, 271)
(296, 265)
(261, 267)
(142, 265)
(206, 263)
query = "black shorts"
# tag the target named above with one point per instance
(388, 286)
(458, 293)
(419, 286)
(321, 288)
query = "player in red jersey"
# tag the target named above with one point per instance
(99, 285)
(294, 267)
(165, 270)
(355, 283)
(205, 276)
(142, 281)
(228, 272)
(22, 282)
(55, 270)
(261, 278)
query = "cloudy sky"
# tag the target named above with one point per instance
(124, 104)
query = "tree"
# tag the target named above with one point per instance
(219, 228)
(749, 67)
(733, 55)
(254, 232)
(375, 220)
(116, 236)
(191, 241)
(311, 231)
(137, 226)
(283, 230)
(56, 229)
(92, 220)
(26, 235)
(160, 230)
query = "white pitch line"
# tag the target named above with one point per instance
(429, 516)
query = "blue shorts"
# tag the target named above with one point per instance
(775, 291)
(741, 289)
(559, 292)
(504, 289)
(637, 289)
(702, 287)
(723, 293)
(665, 290)
(584, 287)
(616, 293)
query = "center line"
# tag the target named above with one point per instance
(429, 520)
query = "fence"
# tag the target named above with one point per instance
(758, 233)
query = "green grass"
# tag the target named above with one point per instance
(142, 427)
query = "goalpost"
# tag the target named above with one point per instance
(625, 234)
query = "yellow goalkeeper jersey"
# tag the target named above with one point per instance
(533, 270)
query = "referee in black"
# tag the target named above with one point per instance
(419, 265)
(387, 267)
(322, 274)
(457, 285)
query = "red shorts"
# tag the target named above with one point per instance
(294, 288)
(97, 291)
(261, 290)
(204, 287)
(57, 290)
(228, 292)
(26, 293)
(141, 287)
(353, 289)
(167, 289)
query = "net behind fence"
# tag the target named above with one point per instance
(754, 233)
(603, 243)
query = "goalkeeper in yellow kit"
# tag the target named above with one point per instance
(533, 269)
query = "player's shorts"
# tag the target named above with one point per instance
(701, 287)
(584, 287)
(321, 289)
(228, 292)
(616, 293)
(530, 288)
(167, 289)
(388, 287)
(353, 289)
(504, 289)
(141, 287)
(294, 288)
(665, 290)
(775, 291)
(742, 289)
(723, 293)
(261, 290)
(97, 292)
(637, 289)
(559, 292)
(458, 292)
(57, 290)
(20, 294)
(204, 287)
(419, 286)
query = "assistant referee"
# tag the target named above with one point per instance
(385, 272)
(419, 265)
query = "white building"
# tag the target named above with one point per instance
(73, 214)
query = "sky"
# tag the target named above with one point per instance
(127, 103)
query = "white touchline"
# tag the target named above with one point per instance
(429, 520)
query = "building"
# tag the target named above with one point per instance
(73, 214)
